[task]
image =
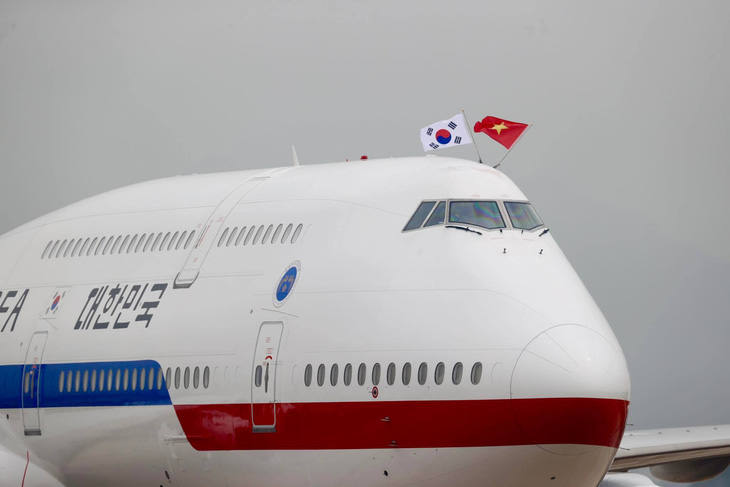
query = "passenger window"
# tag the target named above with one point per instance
(420, 215)
(376, 374)
(406, 374)
(206, 377)
(177, 378)
(438, 375)
(125, 382)
(232, 237)
(76, 247)
(480, 213)
(296, 233)
(438, 216)
(422, 373)
(320, 375)
(159, 379)
(223, 237)
(182, 239)
(101, 246)
(157, 241)
(251, 231)
(164, 241)
(456, 373)
(258, 235)
(61, 249)
(196, 377)
(77, 382)
(308, 375)
(390, 374)
(85, 383)
(132, 244)
(275, 237)
(69, 380)
(109, 378)
(26, 383)
(86, 245)
(101, 380)
(91, 247)
(190, 239)
(287, 232)
(266, 235)
(362, 372)
(347, 379)
(55, 245)
(134, 379)
(143, 379)
(334, 372)
(476, 373)
(172, 241)
(116, 245)
(48, 247)
(241, 235)
(118, 380)
(124, 243)
(61, 381)
(68, 249)
(522, 215)
(186, 381)
(258, 376)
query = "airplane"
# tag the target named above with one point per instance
(396, 322)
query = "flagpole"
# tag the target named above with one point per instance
(513, 146)
(473, 140)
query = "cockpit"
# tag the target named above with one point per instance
(490, 215)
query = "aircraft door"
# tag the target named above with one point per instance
(263, 379)
(31, 384)
(208, 233)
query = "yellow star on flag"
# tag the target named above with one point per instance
(499, 127)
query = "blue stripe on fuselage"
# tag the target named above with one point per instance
(53, 394)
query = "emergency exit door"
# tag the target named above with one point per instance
(31, 384)
(264, 392)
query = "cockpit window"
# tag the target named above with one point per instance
(438, 216)
(522, 215)
(420, 215)
(480, 213)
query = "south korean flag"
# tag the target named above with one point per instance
(446, 133)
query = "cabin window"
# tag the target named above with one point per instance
(287, 232)
(241, 235)
(266, 235)
(101, 380)
(177, 378)
(334, 372)
(438, 375)
(48, 247)
(85, 384)
(223, 237)
(522, 215)
(308, 375)
(206, 377)
(68, 249)
(92, 246)
(362, 372)
(251, 231)
(420, 215)
(143, 379)
(320, 375)
(76, 247)
(484, 214)
(182, 240)
(232, 237)
(406, 374)
(124, 245)
(422, 373)
(115, 247)
(376, 374)
(258, 235)
(258, 376)
(275, 237)
(347, 376)
(296, 233)
(190, 239)
(61, 380)
(186, 381)
(164, 241)
(390, 374)
(476, 373)
(173, 240)
(61, 248)
(457, 373)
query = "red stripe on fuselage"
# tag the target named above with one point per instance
(408, 424)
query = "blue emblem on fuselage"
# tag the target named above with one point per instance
(287, 283)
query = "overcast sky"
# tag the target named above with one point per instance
(627, 162)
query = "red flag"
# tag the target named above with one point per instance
(503, 131)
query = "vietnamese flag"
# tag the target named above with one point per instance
(503, 131)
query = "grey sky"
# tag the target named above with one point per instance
(627, 160)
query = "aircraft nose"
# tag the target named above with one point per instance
(570, 386)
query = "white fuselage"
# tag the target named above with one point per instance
(185, 360)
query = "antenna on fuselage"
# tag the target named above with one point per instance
(295, 159)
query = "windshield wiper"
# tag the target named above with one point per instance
(466, 229)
